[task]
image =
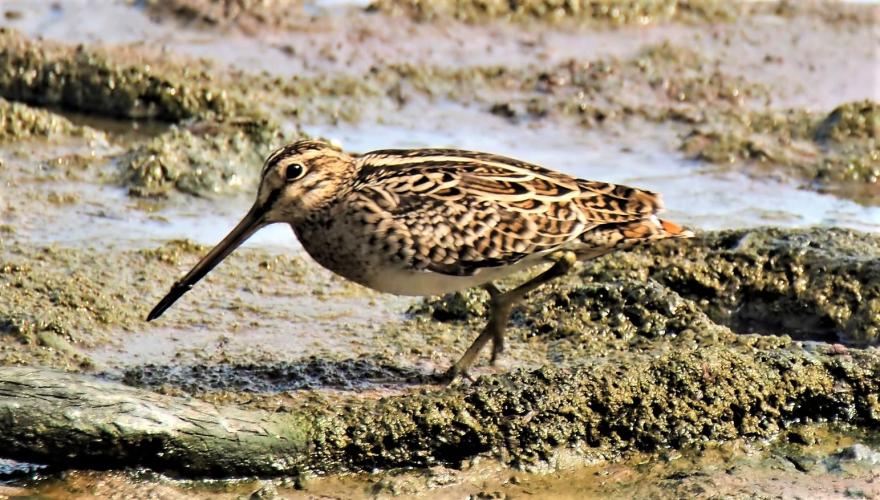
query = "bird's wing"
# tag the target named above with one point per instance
(456, 212)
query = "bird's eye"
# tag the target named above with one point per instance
(294, 171)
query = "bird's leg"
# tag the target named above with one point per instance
(563, 262)
(498, 335)
(500, 304)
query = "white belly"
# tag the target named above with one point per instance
(408, 282)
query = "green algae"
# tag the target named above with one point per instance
(107, 83)
(611, 13)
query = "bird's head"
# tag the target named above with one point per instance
(300, 178)
(296, 180)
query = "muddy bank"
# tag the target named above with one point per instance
(272, 333)
(121, 82)
(816, 284)
(819, 284)
(713, 393)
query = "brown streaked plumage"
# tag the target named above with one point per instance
(432, 221)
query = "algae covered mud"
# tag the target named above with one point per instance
(743, 362)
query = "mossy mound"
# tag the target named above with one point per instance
(815, 284)
(124, 85)
(841, 146)
(19, 121)
(818, 284)
(858, 120)
(201, 159)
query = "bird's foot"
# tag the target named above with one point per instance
(497, 351)
(454, 377)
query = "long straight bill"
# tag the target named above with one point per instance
(248, 226)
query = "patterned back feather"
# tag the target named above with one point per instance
(503, 210)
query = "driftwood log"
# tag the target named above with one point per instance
(79, 421)
(73, 420)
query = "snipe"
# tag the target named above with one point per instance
(433, 221)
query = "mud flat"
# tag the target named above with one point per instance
(744, 361)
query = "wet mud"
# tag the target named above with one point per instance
(735, 347)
